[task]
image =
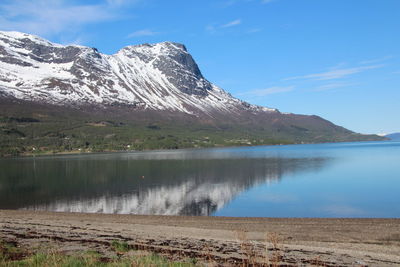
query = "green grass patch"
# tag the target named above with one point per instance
(90, 259)
(13, 256)
(119, 246)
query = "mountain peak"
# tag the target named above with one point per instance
(174, 61)
(157, 49)
(165, 44)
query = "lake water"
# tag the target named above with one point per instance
(321, 180)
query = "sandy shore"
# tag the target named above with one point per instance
(325, 242)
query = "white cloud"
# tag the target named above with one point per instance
(212, 28)
(232, 2)
(141, 33)
(269, 91)
(76, 41)
(120, 2)
(255, 30)
(340, 65)
(376, 60)
(334, 85)
(48, 17)
(228, 3)
(232, 23)
(335, 73)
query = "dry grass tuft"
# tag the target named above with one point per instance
(274, 243)
(247, 248)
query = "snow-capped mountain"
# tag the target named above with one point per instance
(58, 96)
(160, 76)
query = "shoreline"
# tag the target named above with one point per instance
(334, 241)
(77, 152)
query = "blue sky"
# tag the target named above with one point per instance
(339, 59)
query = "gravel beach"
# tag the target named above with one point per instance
(222, 240)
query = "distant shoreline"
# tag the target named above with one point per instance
(78, 152)
(338, 241)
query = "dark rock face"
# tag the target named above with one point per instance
(182, 71)
(42, 53)
(7, 58)
(177, 65)
(48, 54)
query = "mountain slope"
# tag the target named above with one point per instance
(56, 97)
(393, 136)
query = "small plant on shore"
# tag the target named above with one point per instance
(247, 248)
(10, 251)
(193, 261)
(120, 247)
(275, 241)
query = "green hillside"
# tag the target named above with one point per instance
(29, 128)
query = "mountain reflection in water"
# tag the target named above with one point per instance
(178, 183)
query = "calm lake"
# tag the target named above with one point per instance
(321, 180)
